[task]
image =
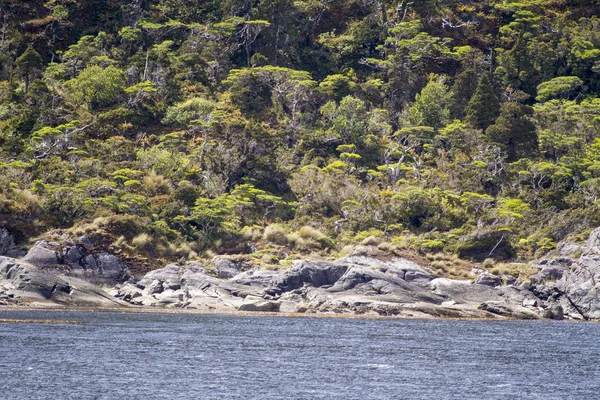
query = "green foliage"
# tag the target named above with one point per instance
(27, 63)
(346, 120)
(432, 105)
(483, 108)
(465, 126)
(559, 87)
(196, 110)
(96, 87)
(514, 131)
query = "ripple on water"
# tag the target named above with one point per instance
(139, 356)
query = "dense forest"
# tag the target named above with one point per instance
(171, 130)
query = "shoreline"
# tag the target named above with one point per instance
(262, 314)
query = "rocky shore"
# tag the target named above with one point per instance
(366, 282)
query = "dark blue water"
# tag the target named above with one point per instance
(160, 356)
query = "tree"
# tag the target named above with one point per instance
(28, 63)
(562, 87)
(514, 131)
(96, 87)
(462, 91)
(432, 105)
(515, 68)
(484, 107)
(348, 120)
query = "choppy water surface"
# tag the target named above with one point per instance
(183, 356)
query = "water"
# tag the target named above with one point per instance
(183, 356)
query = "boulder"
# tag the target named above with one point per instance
(111, 269)
(40, 255)
(550, 270)
(488, 279)
(254, 303)
(555, 312)
(155, 287)
(227, 268)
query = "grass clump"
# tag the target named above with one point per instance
(275, 234)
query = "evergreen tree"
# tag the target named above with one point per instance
(484, 107)
(462, 91)
(28, 63)
(514, 131)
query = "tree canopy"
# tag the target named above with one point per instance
(199, 124)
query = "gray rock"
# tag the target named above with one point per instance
(16, 253)
(111, 269)
(27, 284)
(312, 273)
(593, 243)
(73, 260)
(127, 292)
(72, 255)
(555, 312)
(227, 268)
(568, 249)
(170, 275)
(155, 287)
(507, 310)
(252, 303)
(41, 256)
(549, 270)
(530, 303)
(580, 287)
(90, 262)
(255, 278)
(488, 279)
(86, 243)
(412, 276)
(7, 242)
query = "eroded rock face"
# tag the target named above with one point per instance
(227, 268)
(22, 283)
(75, 260)
(356, 285)
(579, 286)
(593, 243)
(550, 270)
(316, 274)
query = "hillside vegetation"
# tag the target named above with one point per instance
(169, 130)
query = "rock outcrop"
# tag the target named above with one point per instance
(25, 284)
(560, 288)
(77, 261)
(352, 285)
